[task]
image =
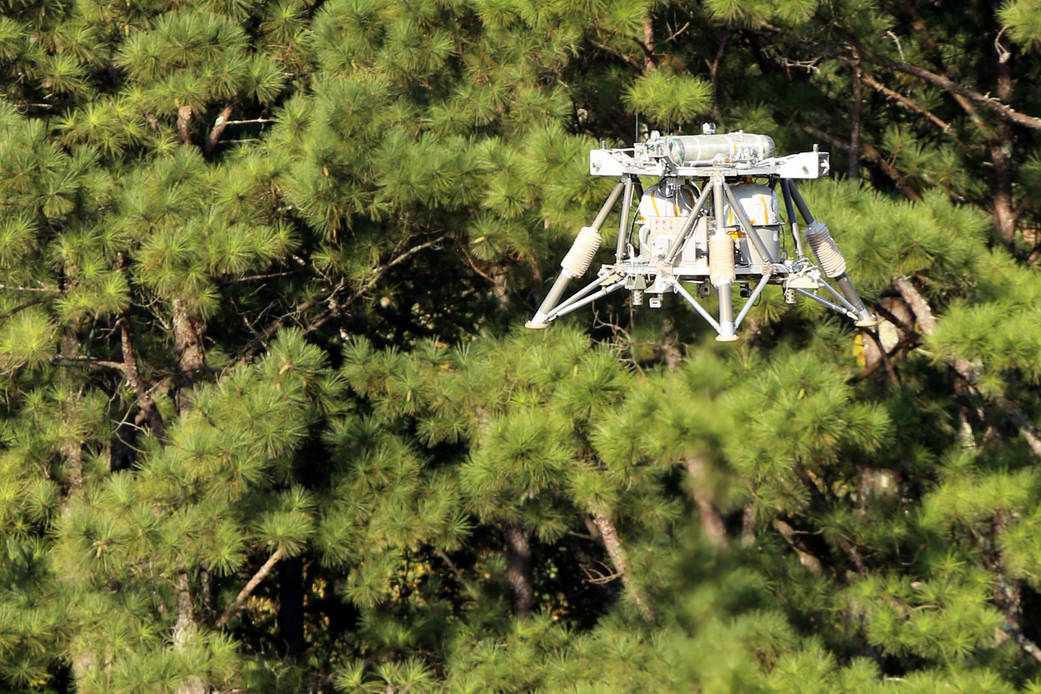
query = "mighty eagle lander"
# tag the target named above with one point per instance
(713, 221)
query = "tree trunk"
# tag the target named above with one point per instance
(713, 76)
(649, 62)
(1000, 147)
(191, 358)
(854, 117)
(711, 520)
(185, 628)
(609, 536)
(145, 403)
(748, 524)
(518, 570)
(671, 353)
(291, 606)
(499, 275)
(184, 117)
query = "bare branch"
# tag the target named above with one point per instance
(905, 102)
(649, 61)
(305, 306)
(250, 586)
(713, 73)
(854, 117)
(25, 305)
(615, 550)
(949, 85)
(88, 362)
(13, 288)
(711, 520)
(218, 128)
(806, 558)
(629, 60)
(250, 121)
(676, 33)
(381, 270)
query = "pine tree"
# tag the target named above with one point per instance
(269, 422)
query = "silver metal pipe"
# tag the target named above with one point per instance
(841, 299)
(726, 314)
(833, 307)
(717, 203)
(623, 223)
(539, 320)
(605, 210)
(577, 295)
(688, 226)
(550, 302)
(864, 317)
(589, 299)
(751, 300)
(746, 224)
(697, 307)
(726, 306)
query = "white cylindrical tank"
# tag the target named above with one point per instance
(661, 200)
(702, 149)
(660, 216)
(760, 205)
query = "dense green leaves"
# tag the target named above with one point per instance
(269, 421)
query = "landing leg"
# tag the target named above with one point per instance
(571, 270)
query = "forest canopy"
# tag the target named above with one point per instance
(270, 420)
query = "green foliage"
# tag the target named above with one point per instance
(269, 421)
(673, 99)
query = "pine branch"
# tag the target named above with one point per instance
(870, 153)
(89, 362)
(25, 305)
(15, 288)
(927, 321)
(905, 102)
(956, 88)
(806, 557)
(301, 309)
(250, 586)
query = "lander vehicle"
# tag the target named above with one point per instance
(712, 221)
